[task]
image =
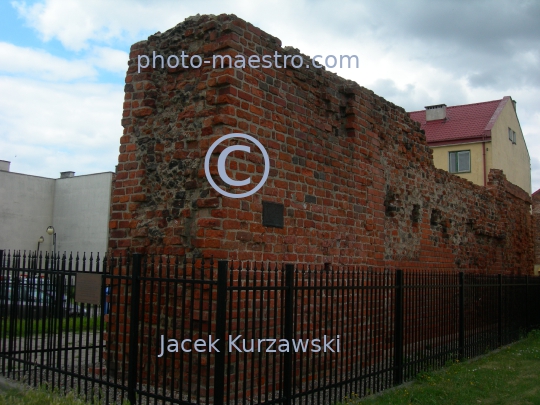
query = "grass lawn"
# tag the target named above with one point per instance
(508, 376)
(15, 396)
(70, 324)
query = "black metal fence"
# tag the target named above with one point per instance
(206, 332)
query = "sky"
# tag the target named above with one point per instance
(63, 63)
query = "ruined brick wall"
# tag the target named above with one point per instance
(354, 172)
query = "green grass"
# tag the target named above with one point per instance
(74, 323)
(508, 376)
(38, 396)
(12, 393)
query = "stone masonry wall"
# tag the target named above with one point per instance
(354, 172)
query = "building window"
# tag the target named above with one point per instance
(460, 161)
(512, 136)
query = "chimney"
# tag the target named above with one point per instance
(67, 175)
(435, 112)
(4, 165)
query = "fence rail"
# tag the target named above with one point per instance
(173, 330)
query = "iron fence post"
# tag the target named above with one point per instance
(134, 327)
(398, 329)
(461, 309)
(221, 316)
(288, 332)
(499, 332)
(13, 315)
(526, 304)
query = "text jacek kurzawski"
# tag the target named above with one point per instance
(236, 343)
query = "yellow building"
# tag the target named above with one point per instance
(469, 140)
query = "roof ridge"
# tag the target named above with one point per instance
(464, 122)
(495, 116)
(482, 102)
(464, 105)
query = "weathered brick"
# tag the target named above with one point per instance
(142, 112)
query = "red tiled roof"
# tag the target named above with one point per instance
(463, 123)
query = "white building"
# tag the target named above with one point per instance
(77, 207)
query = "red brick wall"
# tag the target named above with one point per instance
(354, 172)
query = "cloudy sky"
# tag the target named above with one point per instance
(62, 63)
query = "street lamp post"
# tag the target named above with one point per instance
(50, 231)
(39, 242)
(58, 283)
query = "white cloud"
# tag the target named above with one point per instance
(75, 23)
(535, 173)
(412, 53)
(109, 59)
(52, 127)
(40, 64)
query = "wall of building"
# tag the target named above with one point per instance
(77, 207)
(513, 159)
(26, 208)
(354, 173)
(476, 175)
(81, 213)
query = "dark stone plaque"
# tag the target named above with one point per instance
(88, 288)
(272, 214)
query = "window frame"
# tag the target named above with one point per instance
(512, 137)
(456, 152)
